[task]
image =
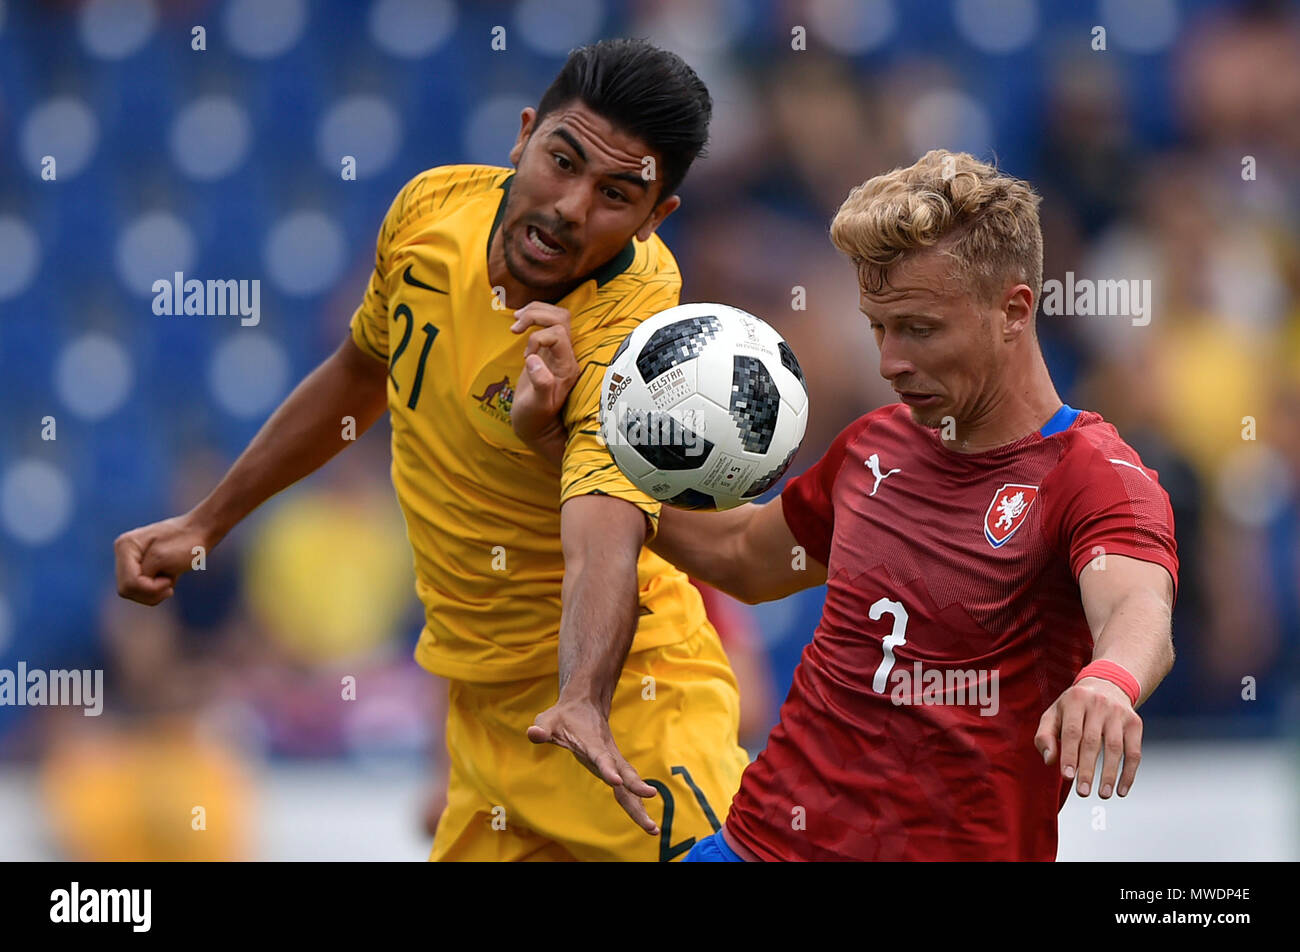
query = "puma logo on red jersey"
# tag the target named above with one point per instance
(873, 464)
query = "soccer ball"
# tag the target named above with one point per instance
(703, 406)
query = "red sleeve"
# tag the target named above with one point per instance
(1100, 498)
(806, 499)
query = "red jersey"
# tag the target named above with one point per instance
(952, 622)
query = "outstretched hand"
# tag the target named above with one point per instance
(582, 729)
(1092, 716)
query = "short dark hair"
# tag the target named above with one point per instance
(648, 92)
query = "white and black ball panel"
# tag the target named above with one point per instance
(790, 427)
(755, 402)
(662, 439)
(767, 480)
(713, 376)
(790, 380)
(790, 362)
(676, 343)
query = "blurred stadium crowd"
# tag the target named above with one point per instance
(1172, 155)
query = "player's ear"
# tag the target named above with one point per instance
(660, 212)
(1018, 312)
(526, 120)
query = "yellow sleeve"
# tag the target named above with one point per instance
(587, 467)
(370, 321)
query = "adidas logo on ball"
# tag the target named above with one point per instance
(617, 384)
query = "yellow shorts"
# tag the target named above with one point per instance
(675, 717)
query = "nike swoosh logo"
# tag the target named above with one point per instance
(416, 282)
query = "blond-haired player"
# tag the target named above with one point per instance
(1000, 567)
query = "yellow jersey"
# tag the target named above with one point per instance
(482, 510)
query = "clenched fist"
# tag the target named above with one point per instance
(151, 558)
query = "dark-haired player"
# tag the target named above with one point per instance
(525, 569)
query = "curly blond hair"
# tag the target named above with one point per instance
(985, 220)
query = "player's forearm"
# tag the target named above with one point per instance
(305, 431)
(1137, 636)
(596, 632)
(705, 545)
(602, 538)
